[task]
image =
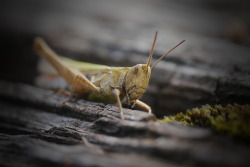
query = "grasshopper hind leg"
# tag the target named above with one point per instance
(81, 85)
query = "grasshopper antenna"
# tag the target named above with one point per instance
(152, 50)
(167, 53)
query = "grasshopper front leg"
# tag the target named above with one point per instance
(143, 105)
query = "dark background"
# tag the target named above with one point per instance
(120, 33)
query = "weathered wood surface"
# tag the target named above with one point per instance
(38, 127)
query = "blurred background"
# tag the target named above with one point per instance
(120, 33)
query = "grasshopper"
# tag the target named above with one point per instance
(107, 84)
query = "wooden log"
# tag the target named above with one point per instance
(34, 124)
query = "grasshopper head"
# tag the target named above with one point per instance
(136, 80)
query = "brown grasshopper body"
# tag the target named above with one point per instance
(107, 84)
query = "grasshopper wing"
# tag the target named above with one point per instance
(88, 68)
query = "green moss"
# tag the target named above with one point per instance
(233, 120)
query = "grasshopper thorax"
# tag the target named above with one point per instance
(136, 81)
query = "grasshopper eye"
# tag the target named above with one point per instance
(136, 69)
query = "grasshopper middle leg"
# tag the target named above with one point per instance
(117, 94)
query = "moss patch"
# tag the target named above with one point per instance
(233, 120)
